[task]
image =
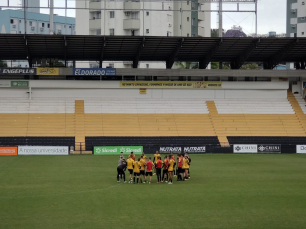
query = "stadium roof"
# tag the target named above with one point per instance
(271, 51)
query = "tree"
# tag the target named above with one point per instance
(3, 64)
(187, 65)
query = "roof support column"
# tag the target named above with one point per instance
(172, 57)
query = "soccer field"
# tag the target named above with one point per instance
(225, 191)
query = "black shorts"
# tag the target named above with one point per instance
(136, 174)
(165, 170)
(131, 171)
(142, 172)
(180, 170)
(148, 173)
(158, 170)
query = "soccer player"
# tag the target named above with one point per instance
(174, 170)
(149, 166)
(136, 170)
(158, 166)
(144, 156)
(189, 166)
(165, 169)
(185, 167)
(129, 163)
(120, 162)
(179, 167)
(121, 170)
(156, 155)
(142, 169)
(132, 156)
(171, 169)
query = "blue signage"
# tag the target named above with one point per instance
(94, 71)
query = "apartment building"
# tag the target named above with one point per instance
(296, 18)
(12, 21)
(141, 18)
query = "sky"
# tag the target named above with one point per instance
(271, 15)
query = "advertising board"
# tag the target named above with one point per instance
(269, 148)
(170, 149)
(17, 71)
(43, 150)
(171, 84)
(301, 149)
(94, 71)
(245, 148)
(8, 151)
(116, 150)
(196, 149)
(47, 71)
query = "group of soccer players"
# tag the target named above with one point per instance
(164, 170)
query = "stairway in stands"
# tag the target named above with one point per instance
(297, 109)
(79, 126)
(213, 113)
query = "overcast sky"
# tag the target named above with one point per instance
(271, 15)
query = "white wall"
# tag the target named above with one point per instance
(111, 89)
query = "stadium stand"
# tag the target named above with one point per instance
(152, 118)
(301, 102)
(254, 106)
(41, 105)
(146, 106)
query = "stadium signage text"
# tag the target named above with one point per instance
(43, 150)
(94, 71)
(301, 149)
(170, 149)
(197, 149)
(172, 84)
(8, 151)
(269, 148)
(17, 71)
(47, 71)
(245, 148)
(116, 150)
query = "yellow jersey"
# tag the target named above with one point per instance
(136, 166)
(156, 156)
(142, 164)
(144, 157)
(129, 163)
(170, 168)
(185, 164)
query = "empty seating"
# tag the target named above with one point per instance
(301, 102)
(34, 106)
(254, 106)
(148, 125)
(145, 106)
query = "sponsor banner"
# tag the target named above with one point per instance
(170, 149)
(171, 84)
(94, 71)
(196, 149)
(19, 83)
(5, 83)
(116, 150)
(269, 148)
(245, 148)
(301, 149)
(8, 151)
(47, 71)
(143, 91)
(17, 71)
(43, 150)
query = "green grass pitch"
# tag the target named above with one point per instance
(225, 191)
